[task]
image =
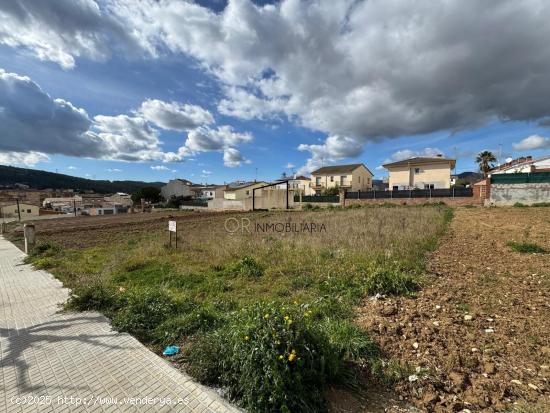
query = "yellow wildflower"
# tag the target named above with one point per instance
(280, 356)
(292, 356)
(286, 318)
(246, 338)
(266, 316)
(289, 322)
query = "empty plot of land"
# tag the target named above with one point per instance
(477, 335)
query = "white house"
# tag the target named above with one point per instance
(525, 164)
(298, 183)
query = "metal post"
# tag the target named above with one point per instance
(253, 199)
(358, 194)
(430, 188)
(287, 194)
(18, 210)
(374, 194)
(74, 206)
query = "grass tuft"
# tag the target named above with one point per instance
(526, 247)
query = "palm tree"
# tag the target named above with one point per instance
(485, 161)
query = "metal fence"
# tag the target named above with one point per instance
(521, 178)
(413, 193)
(317, 198)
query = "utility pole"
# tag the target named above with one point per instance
(74, 206)
(18, 210)
(456, 157)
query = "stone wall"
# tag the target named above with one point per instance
(509, 194)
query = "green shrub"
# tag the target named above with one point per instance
(526, 247)
(275, 359)
(520, 205)
(389, 280)
(541, 204)
(201, 319)
(310, 207)
(246, 267)
(45, 249)
(94, 297)
(44, 263)
(143, 311)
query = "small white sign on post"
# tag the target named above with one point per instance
(172, 226)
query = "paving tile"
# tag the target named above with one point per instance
(75, 356)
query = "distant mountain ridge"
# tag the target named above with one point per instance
(36, 179)
(470, 177)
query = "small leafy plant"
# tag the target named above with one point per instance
(143, 311)
(274, 358)
(246, 267)
(526, 247)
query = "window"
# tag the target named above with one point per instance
(342, 180)
(28, 211)
(359, 179)
(395, 188)
(428, 186)
(318, 181)
(332, 179)
(247, 192)
(416, 170)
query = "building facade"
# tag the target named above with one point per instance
(354, 177)
(420, 173)
(26, 210)
(299, 184)
(176, 188)
(242, 190)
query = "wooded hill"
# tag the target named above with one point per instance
(10, 176)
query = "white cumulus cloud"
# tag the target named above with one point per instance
(23, 158)
(174, 115)
(531, 143)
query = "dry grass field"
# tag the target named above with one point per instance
(272, 311)
(291, 278)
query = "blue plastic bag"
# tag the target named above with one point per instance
(171, 350)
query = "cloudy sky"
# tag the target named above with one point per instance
(219, 90)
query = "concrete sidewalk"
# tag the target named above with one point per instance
(65, 362)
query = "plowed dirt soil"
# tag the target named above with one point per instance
(477, 336)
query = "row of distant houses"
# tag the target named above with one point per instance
(29, 203)
(416, 172)
(422, 173)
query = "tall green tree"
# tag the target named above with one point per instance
(149, 193)
(485, 160)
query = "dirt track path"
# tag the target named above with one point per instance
(480, 330)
